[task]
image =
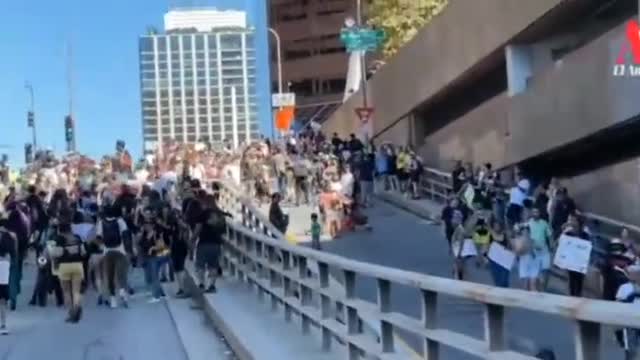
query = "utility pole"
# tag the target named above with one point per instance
(71, 146)
(363, 57)
(31, 115)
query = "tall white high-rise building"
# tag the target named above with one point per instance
(198, 81)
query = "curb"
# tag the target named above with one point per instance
(175, 325)
(240, 350)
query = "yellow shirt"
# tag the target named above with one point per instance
(402, 161)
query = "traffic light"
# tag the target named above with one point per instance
(28, 153)
(31, 119)
(68, 129)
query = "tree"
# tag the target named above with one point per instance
(401, 19)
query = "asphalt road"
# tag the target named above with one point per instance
(144, 331)
(404, 241)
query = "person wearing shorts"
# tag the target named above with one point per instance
(208, 237)
(69, 253)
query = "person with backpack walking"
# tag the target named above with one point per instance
(208, 239)
(69, 253)
(110, 231)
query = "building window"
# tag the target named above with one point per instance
(230, 42)
(162, 45)
(146, 44)
(296, 54)
(175, 43)
(200, 42)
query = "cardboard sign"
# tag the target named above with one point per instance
(573, 254)
(501, 256)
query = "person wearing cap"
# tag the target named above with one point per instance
(629, 292)
(617, 259)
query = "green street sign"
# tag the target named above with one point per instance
(362, 38)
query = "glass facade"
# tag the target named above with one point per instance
(199, 87)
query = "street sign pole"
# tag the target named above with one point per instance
(363, 61)
(360, 38)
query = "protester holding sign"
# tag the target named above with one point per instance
(573, 228)
(501, 259)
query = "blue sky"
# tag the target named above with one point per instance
(104, 35)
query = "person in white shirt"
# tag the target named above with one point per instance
(517, 196)
(347, 181)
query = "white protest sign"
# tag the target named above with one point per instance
(573, 254)
(468, 248)
(4, 271)
(501, 256)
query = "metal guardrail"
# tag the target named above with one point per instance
(280, 271)
(437, 185)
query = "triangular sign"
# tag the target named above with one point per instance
(364, 113)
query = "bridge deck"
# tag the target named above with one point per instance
(144, 331)
(402, 240)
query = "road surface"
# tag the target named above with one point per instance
(144, 331)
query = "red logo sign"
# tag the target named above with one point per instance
(631, 45)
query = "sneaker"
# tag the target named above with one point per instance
(154, 300)
(211, 289)
(113, 303)
(201, 286)
(181, 294)
(78, 314)
(4, 330)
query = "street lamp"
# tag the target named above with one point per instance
(279, 60)
(279, 57)
(31, 114)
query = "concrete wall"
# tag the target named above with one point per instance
(478, 137)
(576, 97)
(464, 34)
(612, 191)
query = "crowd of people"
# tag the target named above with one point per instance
(88, 225)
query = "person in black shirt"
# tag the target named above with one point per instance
(168, 225)
(564, 206)
(366, 170)
(335, 141)
(208, 233)
(457, 177)
(37, 211)
(276, 216)
(355, 144)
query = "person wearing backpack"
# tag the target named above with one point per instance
(8, 252)
(110, 232)
(69, 253)
(208, 239)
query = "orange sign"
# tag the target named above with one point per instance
(284, 118)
